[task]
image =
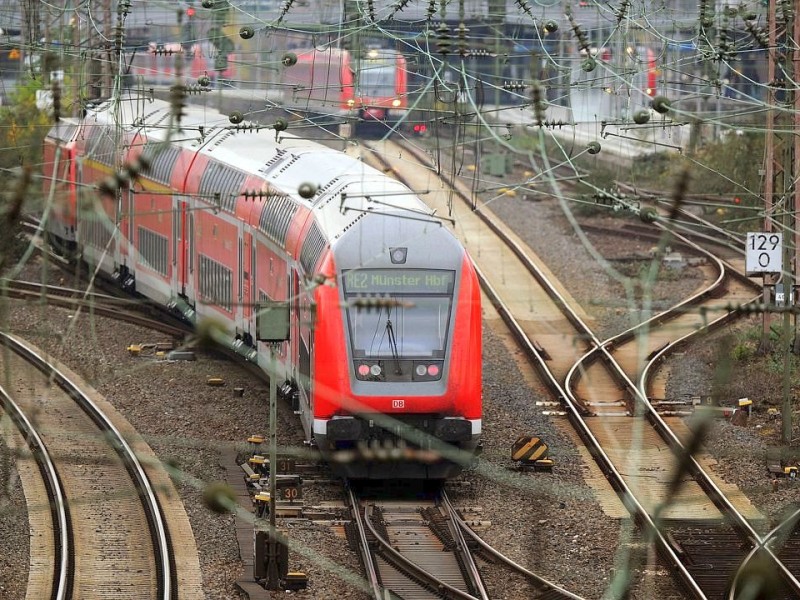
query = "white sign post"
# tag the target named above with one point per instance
(764, 253)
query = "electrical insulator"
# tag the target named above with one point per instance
(443, 41)
(398, 7)
(463, 39)
(524, 6)
(307, 190)
(253, 194)
(513, 86)
(431, 10)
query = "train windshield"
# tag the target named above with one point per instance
(398, 313)
(376, 80)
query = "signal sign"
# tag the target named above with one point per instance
(764, 253)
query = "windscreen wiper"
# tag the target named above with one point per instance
(393, 344)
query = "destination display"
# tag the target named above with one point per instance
(399, 281)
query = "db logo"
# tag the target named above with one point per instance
(398, 403)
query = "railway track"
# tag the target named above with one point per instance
(524, 310)
(401, 548)
(422, 550)
(109, 536)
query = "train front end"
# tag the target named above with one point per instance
(398, 354)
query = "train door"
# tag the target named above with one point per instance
(126, 227)
(248, 279)
(178, 250)
(79, 197)
(301, 344)
(188, 289)
(238, 314)
(119, 203)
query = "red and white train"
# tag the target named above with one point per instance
(384, 334)
(374, 87)
(157, 65)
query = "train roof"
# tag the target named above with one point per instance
(347, 190)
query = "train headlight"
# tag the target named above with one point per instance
(351, 103)
(396, 102)
(427, 371)
(375, 370)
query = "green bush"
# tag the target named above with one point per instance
(742, 351)
(22, 130)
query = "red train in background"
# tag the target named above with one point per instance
(156, 64)
(333, 81)
(384, 315)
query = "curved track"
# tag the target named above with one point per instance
(532, 326)
(113, 547)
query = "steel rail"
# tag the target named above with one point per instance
(574, 412)
(62, 569)
(165, 567)
(551, 589)
(461, 545)
(366, 553)
(444, 589)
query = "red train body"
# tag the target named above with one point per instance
(374, 87)
(217, 229)
(157, 64)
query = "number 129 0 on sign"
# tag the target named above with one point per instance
(764, 253)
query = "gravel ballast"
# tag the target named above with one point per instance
(552, 523)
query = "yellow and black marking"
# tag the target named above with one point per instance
(531, 452)
(528, 448)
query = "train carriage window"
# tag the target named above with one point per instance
(312, 249)
(175, 232)
(376, 79)
(276, 217)
(215, 283)
(414, 318)
(162, 160)
(191, 242)
(222, 180)
(63, 132)
(101, 146)
(153, 250)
